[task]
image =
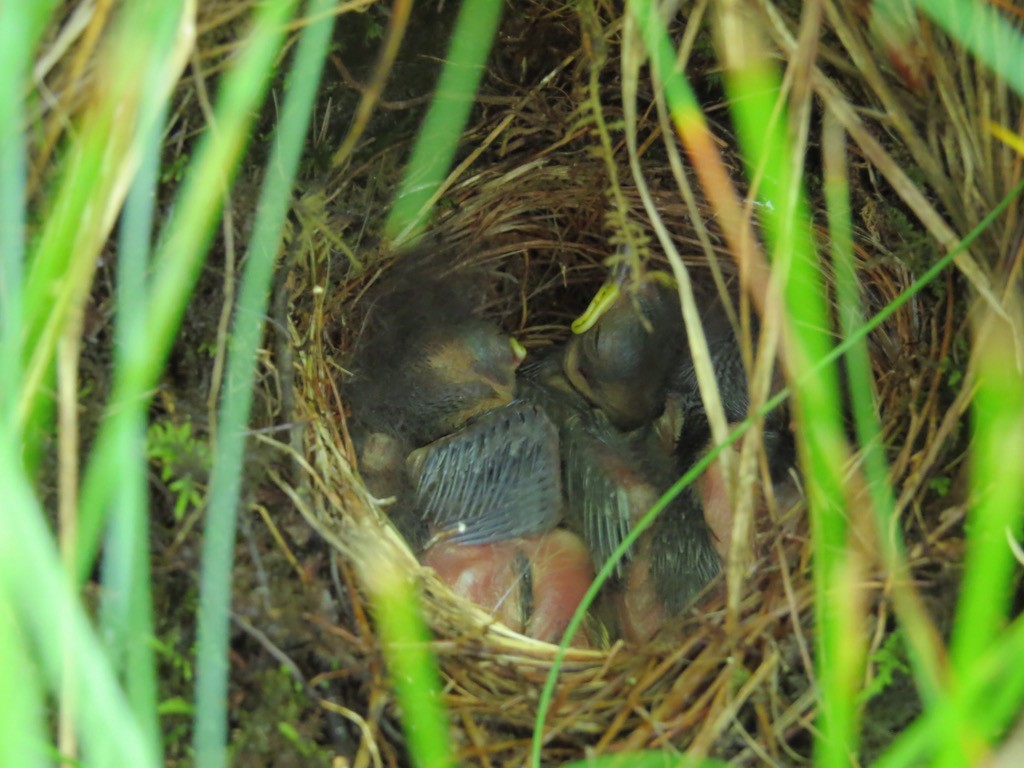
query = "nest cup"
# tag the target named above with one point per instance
(541, 210)
(495, 674)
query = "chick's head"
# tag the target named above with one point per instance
(462, 371)
(622, 362)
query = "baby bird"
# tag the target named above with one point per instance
(611, 480)
(426, 364)
(634, 363)
(491, 496)
(623, 361)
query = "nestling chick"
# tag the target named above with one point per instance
(636, 355)
(624, 361)
(611, 480)
(426, 364)
(672, 562)
(491, 495)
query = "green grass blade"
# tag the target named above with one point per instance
(700, 145)
(982, 31)
(414, 675)
(14, 61)
(143, 56)
(56, 626)
(21, 696)
(754, 92)
(987, 586)
(127, 614)
(449, 109)
(127, 607)
(180, 257)
(219, 534)
(923, 654)
(21, 24)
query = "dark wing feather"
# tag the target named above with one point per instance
(494, 479)
(607, 488)
(682, 557)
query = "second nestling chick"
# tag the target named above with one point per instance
(623, 362)
(611, 480)
(482, 513)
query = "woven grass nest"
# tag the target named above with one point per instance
(541, 202)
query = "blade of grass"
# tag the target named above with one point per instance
(449, 109)
(16, 46)
(95, 175)
(986, 589)
(982, 31)
(126, 609)
(37, 587)
(414, 671)
(927, 653)
(98, 162)
(236, 400)
(414, 675)
(179, 258)
(22, 737)
(754, 92)
(21, 696)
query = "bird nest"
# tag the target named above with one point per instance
(539, 203)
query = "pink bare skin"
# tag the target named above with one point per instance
(562, 573)
(718, 512)
(492, 576)
(641, 615)
(485, 574)
(718, 509)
